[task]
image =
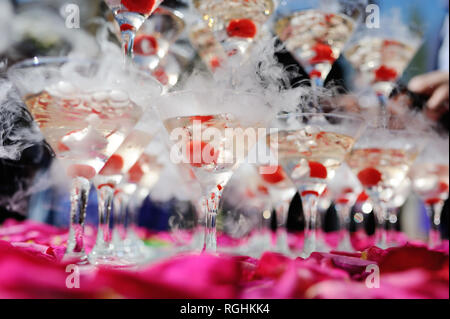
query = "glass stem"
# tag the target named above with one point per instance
(78, 197)
(212, 206)
(434, 213)
(281, 210)
(128, 44)
(105, 198)
(381, 224)
(344, 219)
(310, 211)
(120, 212)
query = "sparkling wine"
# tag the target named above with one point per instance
(207, 46)
(315, 38)
(380, 61)
(381, 171)
(310, 157)
(219, 156)
(84, 130)
(430, 181)
(236, 22)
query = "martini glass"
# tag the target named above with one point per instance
(210, 128)
(380, 56)
(311, 146)
(139, 182)
(430, 180)
(113, 174)
(154, 38)
(281, 191)
(236, 24)
(344, 189)
(381, 160)
(130, 15)
(85, 110)
(207, 46)
(316, 31)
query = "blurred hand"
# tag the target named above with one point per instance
(436, 85)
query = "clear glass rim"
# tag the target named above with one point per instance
(207, 91)
(52, 60)
(336, 115)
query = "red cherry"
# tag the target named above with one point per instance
(106, 184)
(433, 201)
(161, 76)
(443, 187)
(135, 173)
(275, 177)
(126, 27)
(263, 189)
(323, 54)
(362, 197)
(144, 7)
(113, 166)
(145, 45)
(305, 193)
(80, 170)
(387, 43)
(196, 151)
(202, 118)
(62, 147)
(342, 200)
(369, 177)
(215, 63)
(383, 73)
(328, 17)
(317, 170)
(242, 28)
(315, 74)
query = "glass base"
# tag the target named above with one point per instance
(103, 256)
(345, 244)
(78, 258)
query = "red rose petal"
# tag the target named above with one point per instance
(113, 166)
(144, 7)
(80, 170)
(317, 170)
(275, 177)
(242, 28)
(383, 73)
(369, 177)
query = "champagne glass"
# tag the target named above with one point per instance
(310, 147)
(85, 110)
(430, 180)
(204, 122)
(316, 31)
(130, 15)
(382, 158)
